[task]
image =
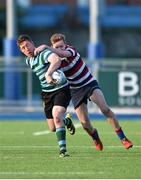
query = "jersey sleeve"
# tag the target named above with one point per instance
(45, 55)
(72, 51)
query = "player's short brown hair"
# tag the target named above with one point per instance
(23, 37)
(57, 37)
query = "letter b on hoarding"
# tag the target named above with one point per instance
(128, 84)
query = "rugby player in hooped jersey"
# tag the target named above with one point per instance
(56, 97)
(84, 87)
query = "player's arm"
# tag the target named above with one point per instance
(55, 63)
(59, 52)
(40, 49)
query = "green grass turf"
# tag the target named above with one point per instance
(24, 155)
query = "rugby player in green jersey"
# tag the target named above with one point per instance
(56, 97)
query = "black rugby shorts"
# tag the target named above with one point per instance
(81, 95)
(60, 97)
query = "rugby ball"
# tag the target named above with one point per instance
(59, 77)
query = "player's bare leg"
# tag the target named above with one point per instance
(82, 114)
(51, 125)
(99, 99)
(58, 113)
(67, 121)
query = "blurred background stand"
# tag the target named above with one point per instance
(11, 77)
(95, 46)
(105, 32)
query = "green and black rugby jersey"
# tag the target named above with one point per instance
(39, 65)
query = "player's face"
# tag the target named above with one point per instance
(27, 48)
(59, 45)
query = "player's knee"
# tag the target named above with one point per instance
(57, 119)
(105, 111)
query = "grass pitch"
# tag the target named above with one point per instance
(28, 151)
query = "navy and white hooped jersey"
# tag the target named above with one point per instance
(75, 69)
(39, 66)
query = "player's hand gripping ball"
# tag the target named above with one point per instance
(59, 77)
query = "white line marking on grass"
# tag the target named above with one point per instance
(50, 173)
(48, 132)
(77, 157)
(77, 125)
(51, 146)
(22, 173)
(41, 133)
